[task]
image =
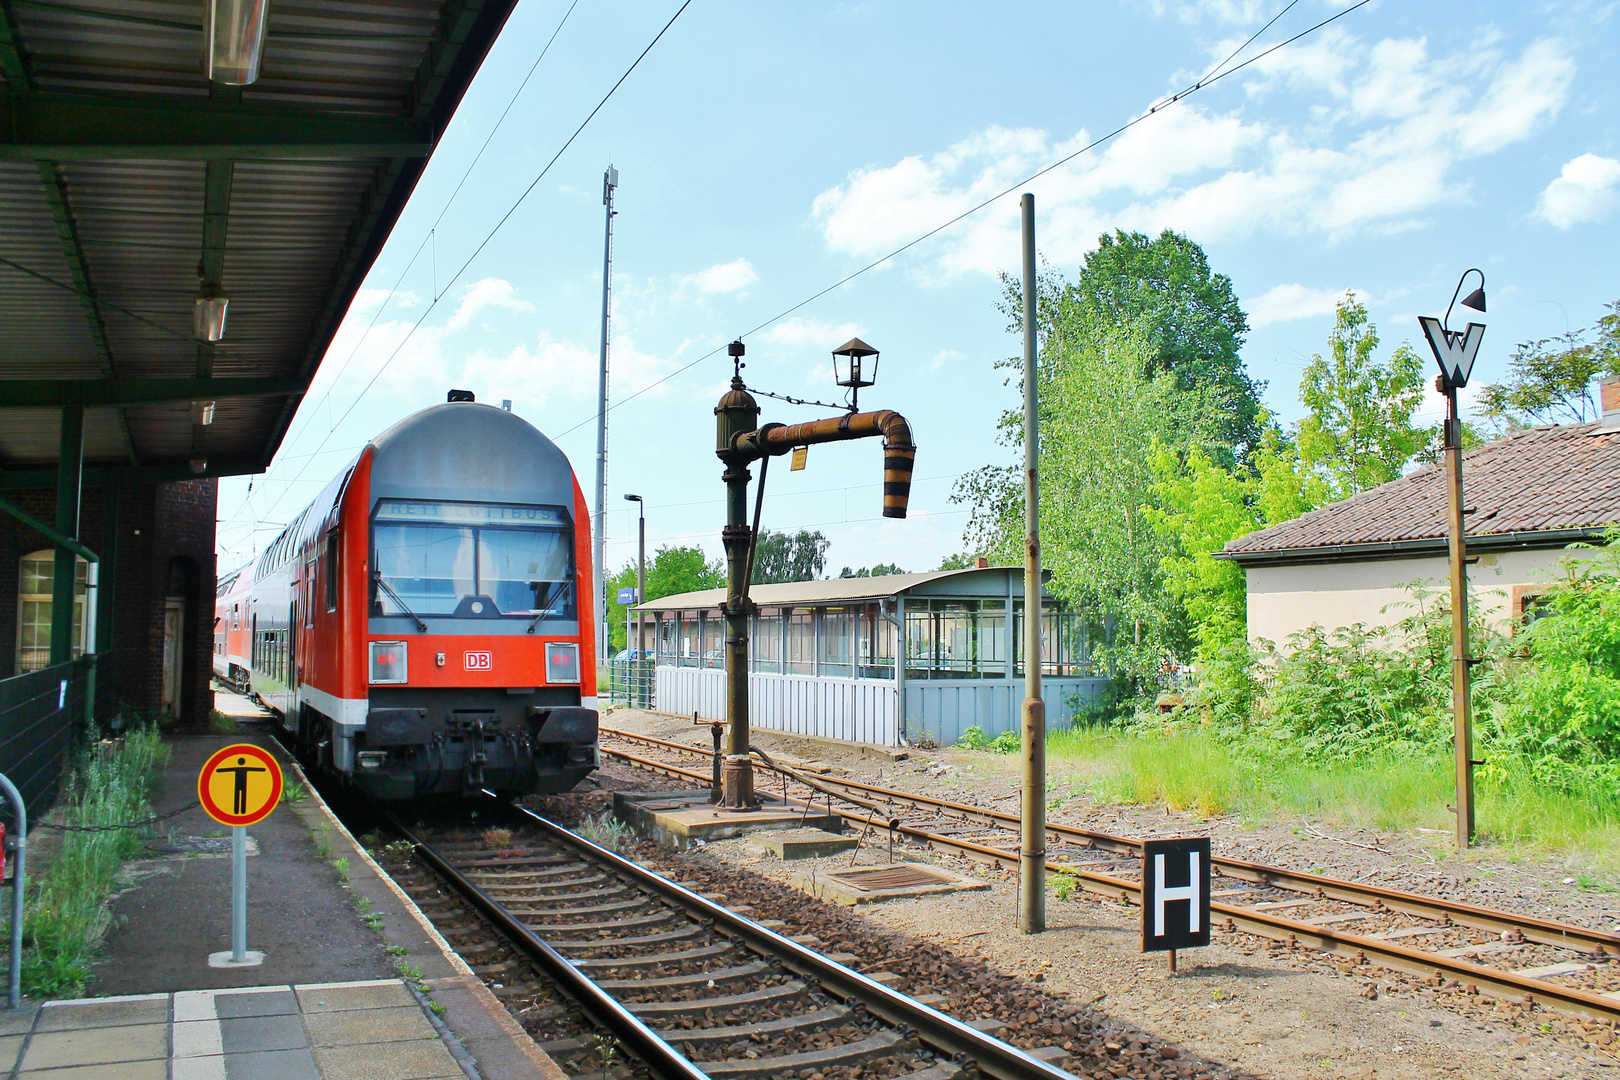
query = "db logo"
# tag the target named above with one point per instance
(478, 661)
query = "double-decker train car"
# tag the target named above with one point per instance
(424, 626)
(232, 636)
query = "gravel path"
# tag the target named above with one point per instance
(1243, 1005)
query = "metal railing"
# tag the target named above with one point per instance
(630, 683)
(41, 714)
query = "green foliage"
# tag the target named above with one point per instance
(780, 556)
(1189, 316)
(879, 570)
(66, 909)
(1201, 506)
(1550, 381)
(959, 561)
(672, 569)
(974, 738)
(1359, 432)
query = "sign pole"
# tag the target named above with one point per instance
(239, 894)
(239, 786)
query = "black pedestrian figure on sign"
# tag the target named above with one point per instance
(239, 795)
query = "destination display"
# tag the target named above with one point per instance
(446, 513)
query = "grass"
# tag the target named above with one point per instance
(66, 910)
(1196, 774)
(604, 830)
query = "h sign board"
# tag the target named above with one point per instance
(1175, 894)
(627, 596)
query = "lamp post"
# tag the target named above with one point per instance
(641, 579)
(1455, 350)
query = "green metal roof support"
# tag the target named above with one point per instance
(90, 127)
(45, 393)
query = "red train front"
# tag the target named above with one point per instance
(424, 626)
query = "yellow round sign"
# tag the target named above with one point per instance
(240, 785)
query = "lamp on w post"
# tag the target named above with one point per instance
(740, 440)
(1455, 350)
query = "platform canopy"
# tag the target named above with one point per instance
(130, 183)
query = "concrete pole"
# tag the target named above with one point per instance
(1460, 663)
(610, 180)
(1032, 848)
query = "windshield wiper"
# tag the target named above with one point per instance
(562, 592)
(421, 627)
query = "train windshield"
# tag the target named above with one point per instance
(472, 560)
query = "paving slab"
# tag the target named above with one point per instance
(887, 881)
(96, 1046)
(681, 818)
(791, 844)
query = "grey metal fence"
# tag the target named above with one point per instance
(41, 712)
(630, 683)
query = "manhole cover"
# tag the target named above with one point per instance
(891, 877)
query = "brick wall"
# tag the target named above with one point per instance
(164, 546)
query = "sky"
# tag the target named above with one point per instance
(768, 151)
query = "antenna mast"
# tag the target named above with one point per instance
(610, 181)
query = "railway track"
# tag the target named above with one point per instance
(603, 955)
(1558, 965)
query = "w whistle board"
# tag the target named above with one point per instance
(1175, 893)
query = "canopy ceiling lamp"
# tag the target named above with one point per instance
(233, 40)
(209, 315)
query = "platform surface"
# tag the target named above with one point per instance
(325, 916)
(368, 1030)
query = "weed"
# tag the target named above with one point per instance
(374, 921)
(342, 868)
(398, 849)
(496, 839)
(604, 1048)
(1064, 885)
(323, 844)
(372, 840)
(438, 1007)
(974, 738)
(604, 830)
(395, 950)
(66, 910)
(294, 793)
(220, 724)
(407, 970)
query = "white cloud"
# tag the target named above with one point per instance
(1586, 190)
(1366, 138)
(725, 277)
(1282, 303)
(486, 293)
(797, 331)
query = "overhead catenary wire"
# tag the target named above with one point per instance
(471, 165)
(482, 244)
(1216, 75)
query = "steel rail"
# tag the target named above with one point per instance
(944, 1033)
(661, 1059)
(1497, 981)
(1543, 931)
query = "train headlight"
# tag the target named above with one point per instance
(562, 662)
(371, 759)
(387, 661)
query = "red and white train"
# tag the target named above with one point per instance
(424, 626)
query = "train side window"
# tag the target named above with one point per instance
(331, 571)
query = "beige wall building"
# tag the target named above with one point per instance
(1532, 495)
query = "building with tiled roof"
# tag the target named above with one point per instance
(1529, 496)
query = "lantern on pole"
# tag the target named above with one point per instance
(851, 371)
(1454, 351)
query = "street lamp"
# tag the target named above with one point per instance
(1455, 350)
(641, 572)
(847, 371)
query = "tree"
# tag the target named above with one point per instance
(1359, 432)
(1101, 412)
(1550, 381)
(880, 570)
(780, 556)
(1190, 316)
(671, 570)
(1201, 506)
